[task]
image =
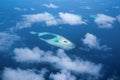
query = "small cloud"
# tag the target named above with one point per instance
(32, 9)
(104, 21)
(28, 20)
(23, 9)
(7, 40)
(116, 7)
(86, 7)
(118, 17)
(20, 9)
(27, 55)
(17, 8)
(63, 75)
(19, 74)
(59, 61)
(51, 5)
(72, 19)
(92, 42)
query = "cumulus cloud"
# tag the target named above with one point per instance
(27, 55)
(63, 75)
(50, 20)
(28, 20)
(51, 5)
(59, 61)
(72, 19)
(104, 21)
(7, 40)
(92, 42)
(19, 74)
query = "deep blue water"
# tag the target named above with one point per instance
(111, 37)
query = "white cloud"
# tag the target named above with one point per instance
(104, 21)
(63, 61)
(7, 40)
(92, 42)
(28, 20)
(23, 9)
(27, 55)
(63, 75)
(60, 60)
(72, 19)
(20, 9)
(116, 7)
(18, 74)
(50, 20)
(118, 17)
(32, 9)
(17, 8)
(51, 5)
